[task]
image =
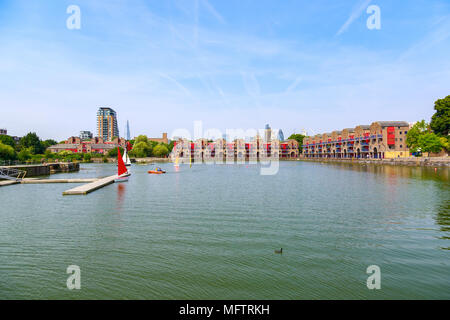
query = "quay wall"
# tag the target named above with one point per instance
(34, 170)
(411, 161)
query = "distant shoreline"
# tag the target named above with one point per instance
(417, 162)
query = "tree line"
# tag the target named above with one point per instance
(31, 148)
(434, 136)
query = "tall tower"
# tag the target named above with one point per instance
(128, 130)
(280, 135)
(107, 124)
(268, 133)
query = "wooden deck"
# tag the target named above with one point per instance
(7, 182)
(39, 181)
(87, 188)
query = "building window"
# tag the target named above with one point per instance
(401, 146)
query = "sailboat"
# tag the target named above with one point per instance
(122, 171)
(176, 162)
(126, 158)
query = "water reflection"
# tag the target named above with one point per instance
(433, 173)
(121, 189)
(443, 217)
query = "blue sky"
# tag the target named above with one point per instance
(161, 65)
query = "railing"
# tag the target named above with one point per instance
(4, 163)
(11, 174)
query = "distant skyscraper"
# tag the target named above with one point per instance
(128, 130)
(86, 135)
(280, 135)
(268, 133)
(107, 124)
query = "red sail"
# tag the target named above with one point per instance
(121, 165)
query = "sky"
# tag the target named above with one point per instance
(236, 64)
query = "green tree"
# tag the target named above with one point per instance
(31, 140)
(48, 154)
(113, 152)
(64, 154)
(160, 150)
(440, 121)
(170, 145)
(299, 138)
(25, 154)
(141, 138)
(8, 140)
(430, 142)
(445, 141)
(7, 152)
(87, 157)
(414, 134)
(48, 143)
(142, 149)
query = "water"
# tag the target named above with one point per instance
(210, 233)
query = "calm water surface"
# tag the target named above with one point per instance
(210, 233)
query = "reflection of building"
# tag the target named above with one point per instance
(381, 139)
(86, 135)
(3, 132)
(95, 145)
(237, 150)
(107, 124)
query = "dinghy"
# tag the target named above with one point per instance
(122, 171)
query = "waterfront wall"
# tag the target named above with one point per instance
(411, 161)
(34, 170)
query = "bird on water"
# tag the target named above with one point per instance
(279, 251)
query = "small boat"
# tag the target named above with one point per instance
(122, 171)
(121, 179)
(126, 158)
(156, 171)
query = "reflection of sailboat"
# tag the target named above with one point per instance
(126, 158)
(122, 171)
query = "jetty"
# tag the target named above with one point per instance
(8, 182)
(43, 181)
(92, 186)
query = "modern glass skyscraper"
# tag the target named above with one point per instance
(107, 127)
(280, 135)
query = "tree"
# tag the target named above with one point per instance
(25, 154)
(31, 140)
(430, 142)
(170, 145)
(113, 152)
(7, 152)
(8, 140)
(299, 138)
(440, 121)
(142, 149)
(141, 138)
(160, 150)
(48, 143)
(413, 135)
(445, 141)
(87, 157)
